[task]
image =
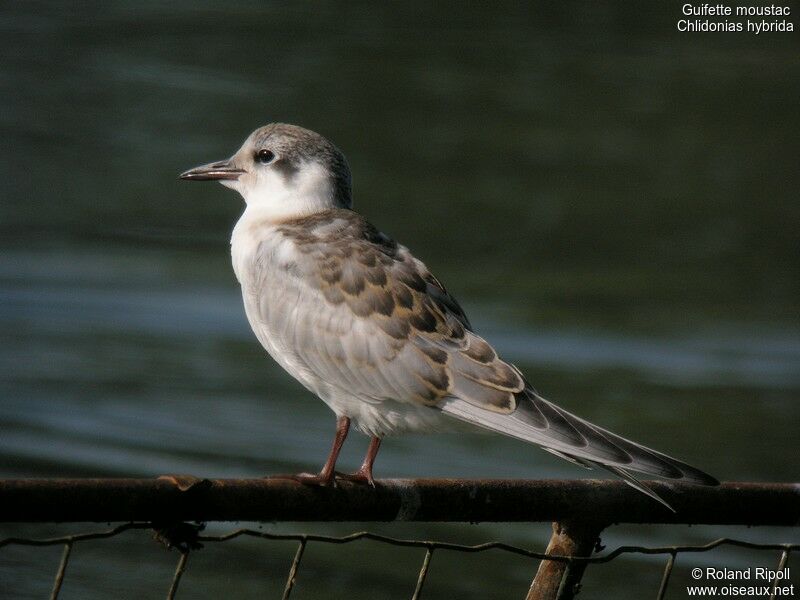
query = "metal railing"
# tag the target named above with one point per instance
(580, 511)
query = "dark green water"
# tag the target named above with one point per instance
(615, 204)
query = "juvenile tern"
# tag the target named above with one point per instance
(365, 326)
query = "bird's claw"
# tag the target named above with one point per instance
(360, 476)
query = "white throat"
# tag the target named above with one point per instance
(271, 195)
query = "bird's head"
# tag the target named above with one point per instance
(285, 171)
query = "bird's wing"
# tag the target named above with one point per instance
(377, 324)
(363, 315)
(541, 422)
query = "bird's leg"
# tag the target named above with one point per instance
(326, 476)
(364, 473)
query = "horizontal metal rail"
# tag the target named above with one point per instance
(604, 502)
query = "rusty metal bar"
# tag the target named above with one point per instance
(453, 500)
(561, 580)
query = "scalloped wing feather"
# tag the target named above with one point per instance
(357, 285)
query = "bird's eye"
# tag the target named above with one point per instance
(265, 156)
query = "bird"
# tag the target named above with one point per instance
(364, 325)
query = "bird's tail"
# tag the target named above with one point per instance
(541, 422)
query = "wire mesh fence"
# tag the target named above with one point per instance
(573, 547)
(187, 538)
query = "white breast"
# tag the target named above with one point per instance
(255, 234)
(259, 254)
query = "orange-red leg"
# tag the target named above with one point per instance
(326, 476)
(364, 473)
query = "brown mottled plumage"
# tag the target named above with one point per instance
(354, 265)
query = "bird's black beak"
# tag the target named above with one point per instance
(221, 170)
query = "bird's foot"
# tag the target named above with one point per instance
(361, 476)
(312, 479)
